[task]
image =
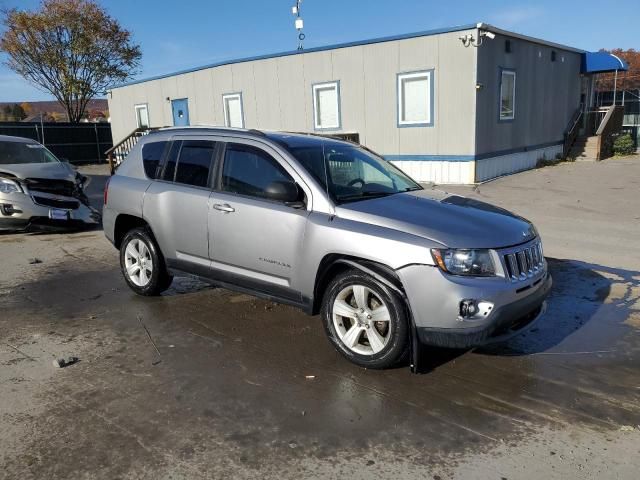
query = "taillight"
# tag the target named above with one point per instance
(106, 191)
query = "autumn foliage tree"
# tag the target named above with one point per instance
(629, 80)
(72, 49)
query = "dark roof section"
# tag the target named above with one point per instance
(295, 140)
(290, 139)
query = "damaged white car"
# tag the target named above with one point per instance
(38, 191)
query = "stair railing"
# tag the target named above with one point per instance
(572, 132)
(117, 153)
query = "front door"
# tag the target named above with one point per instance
(254, 241)
(180, 108)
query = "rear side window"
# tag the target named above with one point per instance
(248, 170)
(151, 157)
(195, 163)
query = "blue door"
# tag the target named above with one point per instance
(180, 109)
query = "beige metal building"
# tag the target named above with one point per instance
(456, 105)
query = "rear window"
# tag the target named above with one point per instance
(151, 157)
(17, 153)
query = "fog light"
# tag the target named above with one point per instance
(8, 209)
(468, 308)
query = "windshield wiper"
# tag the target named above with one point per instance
(412, 189)
(363, 195)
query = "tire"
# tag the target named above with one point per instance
(357, 335)
(139, 248)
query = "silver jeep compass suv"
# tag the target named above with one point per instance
(330, 227)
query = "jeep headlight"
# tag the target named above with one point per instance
(9, 186)
(470, 262)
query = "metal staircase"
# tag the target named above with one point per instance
(597, 134)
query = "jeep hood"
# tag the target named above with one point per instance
(451, 220)
(53, 171)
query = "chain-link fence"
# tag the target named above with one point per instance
(77, 143)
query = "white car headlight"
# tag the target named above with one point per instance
(9, 186)
(471, 262)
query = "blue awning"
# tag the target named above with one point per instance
(600, 62)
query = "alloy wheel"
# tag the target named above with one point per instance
(361, 320)
(138, 262)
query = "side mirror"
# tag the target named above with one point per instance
(282, 191)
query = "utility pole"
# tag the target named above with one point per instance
(299, 23)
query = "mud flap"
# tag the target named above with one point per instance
(414, 344)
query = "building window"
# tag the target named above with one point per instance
(326, 106)
(415, 99)
(233, 112)
(142, 116)
(507, 95)
(553, 55)
(507, 46)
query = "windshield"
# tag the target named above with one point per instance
(350, 173)
(12, 153)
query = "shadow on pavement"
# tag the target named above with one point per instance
(582, 292)
(584, 296)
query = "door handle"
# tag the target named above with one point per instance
(224, 207)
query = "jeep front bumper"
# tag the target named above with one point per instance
(435, 297)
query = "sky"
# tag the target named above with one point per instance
(176, 35)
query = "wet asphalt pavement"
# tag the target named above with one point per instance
(244, 388)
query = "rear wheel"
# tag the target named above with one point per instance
(365, 321)
(142, 263)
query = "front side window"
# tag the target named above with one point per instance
(151, 157)
(249, 171)
(415, 99)
(142, 116)
(507, 95)
(233, 114)
(350, 173)
(326, 106)
(194, 162)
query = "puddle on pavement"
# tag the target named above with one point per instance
(234, 373)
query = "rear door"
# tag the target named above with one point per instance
(254, 241)
(180, 110)
(177, 204)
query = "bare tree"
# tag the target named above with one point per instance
(72, 49)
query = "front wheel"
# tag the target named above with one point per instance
(142, 263)
(365, 321)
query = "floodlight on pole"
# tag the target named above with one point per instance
(299, 23)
